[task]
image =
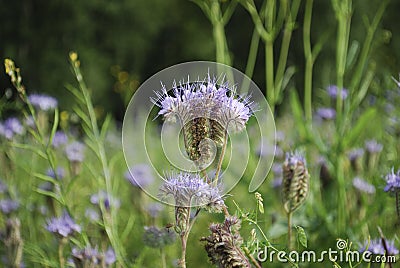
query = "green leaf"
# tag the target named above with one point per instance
(353, 135)
(54, 128)
(301, 236)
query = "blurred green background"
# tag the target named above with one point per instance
(121, 43)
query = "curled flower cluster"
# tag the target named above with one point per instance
(223, 245)
(191, 190)
(295, 181)
(205, 99)
(64, 225)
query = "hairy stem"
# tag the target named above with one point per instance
(289, 233)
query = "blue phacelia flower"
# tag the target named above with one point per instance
(191, 190)
(140, 175)
(60, 173)
(108, 200)
(205, 99)
(63, 226)
(392, 181)
(372, 146)
(326, 113)
(8, 205)
(43, 102)
(11, 127)
(59, 139)
(92, 256)
(333, 91)
(75, 151)
(376, 247)
(363, 186)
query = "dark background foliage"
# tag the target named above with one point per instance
(122, 43)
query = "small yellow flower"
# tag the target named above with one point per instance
(73, 56)
(9, 65)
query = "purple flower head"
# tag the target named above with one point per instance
(392, 181)
(277, 182)
(43, 102)
(107, 200)
(154, 209)
(7, 205)
(292, 159)
(373, 146)
(140, 175)
(326, 113)
(75, 151)
(3, 187)
(90, 255)
(333, 91)
(12, 126)
(60, 172)
(64, 225)
(376, 247)
(209, 98)
(355, 154)
(157, 238)
(363, 186)
(92, 214)
(189, 189)
(59, 139)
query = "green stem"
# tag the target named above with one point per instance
(221, 159)
(269, 53)
(309, 61)
(289, 234)
(221, 47)
(63, 241)
(163, 260)
(251, 61)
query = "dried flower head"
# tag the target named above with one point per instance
(295, 181)
(223, 245)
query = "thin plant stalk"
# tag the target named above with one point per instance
(309, 61)
(289, 232)
(62, 242)
(108, 216)
(163, 259)
(221, 158)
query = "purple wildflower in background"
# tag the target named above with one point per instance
(326, 113)
(363, 186)
(154, 209)
(108, 200)
(355, 154)
(372, 146)
(3, 187)
(333, 91)
(43, 102)
(205, 99)
(59, 139)
(12, 126)
(60, 172)
(8, 205)
(392, 181)
(64, 225)
(75, 151)
(140, 175)
(376, 247)
(92, 215)
(28, 121)
(93, 256)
